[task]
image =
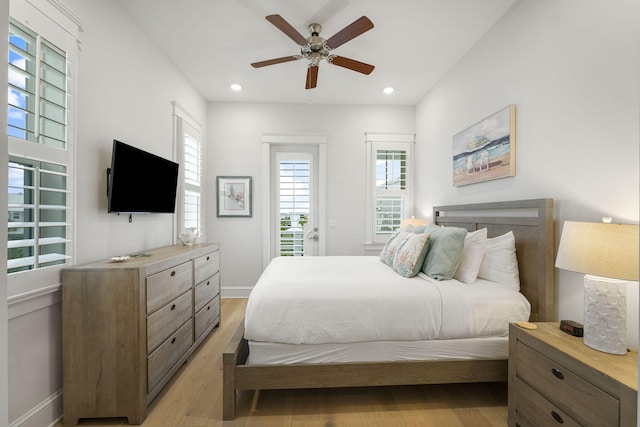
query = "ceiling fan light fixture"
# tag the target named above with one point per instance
(316, 48)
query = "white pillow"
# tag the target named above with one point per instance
(472, 254)
(499, 263)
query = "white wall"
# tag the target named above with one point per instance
(572, 69)
(234, 144)
(125, 89)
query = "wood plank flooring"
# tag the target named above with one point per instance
(194, 398)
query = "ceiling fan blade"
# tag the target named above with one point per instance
(352, 64)
(312, 77)
(286, 28)
(275, 61)
(349, 32)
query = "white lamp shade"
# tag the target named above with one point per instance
(598, 249)
(411, 221)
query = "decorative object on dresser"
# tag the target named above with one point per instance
(127, 327)
(608, 255)
(554, 379)
(189, 236)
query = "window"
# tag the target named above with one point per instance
(294, 201)
(37, 88)
(390, 184)
(37, 215)
(190, 202)
(41, 68)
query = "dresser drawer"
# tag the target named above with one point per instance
(534, 410)
(164, 286)
(167, 319)
(205, 291)
(209, 315)
(566, 389)
(206, 266)
(162, 360)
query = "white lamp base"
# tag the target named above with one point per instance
(605, 314)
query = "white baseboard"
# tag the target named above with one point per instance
(235, 292)
(46, 413)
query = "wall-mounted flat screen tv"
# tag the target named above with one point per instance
(140, 182)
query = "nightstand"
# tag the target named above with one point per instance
(555, 379)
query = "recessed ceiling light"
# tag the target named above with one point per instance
(236, 87)
(388, 90)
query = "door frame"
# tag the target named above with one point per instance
(292, 139)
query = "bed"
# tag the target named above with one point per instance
(391, 356)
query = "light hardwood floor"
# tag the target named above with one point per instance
(194, 398)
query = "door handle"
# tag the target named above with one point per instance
(315, 237)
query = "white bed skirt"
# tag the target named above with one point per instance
(265, 353)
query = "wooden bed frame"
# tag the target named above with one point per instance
(532, 224)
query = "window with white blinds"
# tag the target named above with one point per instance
(192, 181)
(390, 195)
(40, 203)
(190, 153)
(37, 215)
(294, 200)
(37, 88)
(391, 188)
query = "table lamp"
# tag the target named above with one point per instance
(416, 222)
(608, 255)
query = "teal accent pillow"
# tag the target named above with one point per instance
(410, 255)
(445, 251)
(417, 229)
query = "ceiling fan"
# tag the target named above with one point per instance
(316, 48)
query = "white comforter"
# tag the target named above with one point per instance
(343, 299)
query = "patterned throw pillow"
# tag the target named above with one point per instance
(392, 245)
(410, 255)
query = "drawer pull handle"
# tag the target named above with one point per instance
(173, 340)
(208, 308)
(208, 283)
(173, 307)
(557, 373)
(557, 417)
(173, 273)
(207, 258)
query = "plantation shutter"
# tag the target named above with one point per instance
(389, 183)
(37, 88)
(294, 203)
(391, 189)
(37, 215)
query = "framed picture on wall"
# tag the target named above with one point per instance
(486, 150)
(234, 196)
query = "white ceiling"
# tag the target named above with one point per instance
(412, 45)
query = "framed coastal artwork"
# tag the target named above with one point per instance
(486, 150)
(234, 196)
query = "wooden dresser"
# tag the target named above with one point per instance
(554, 379)
(127, 327)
